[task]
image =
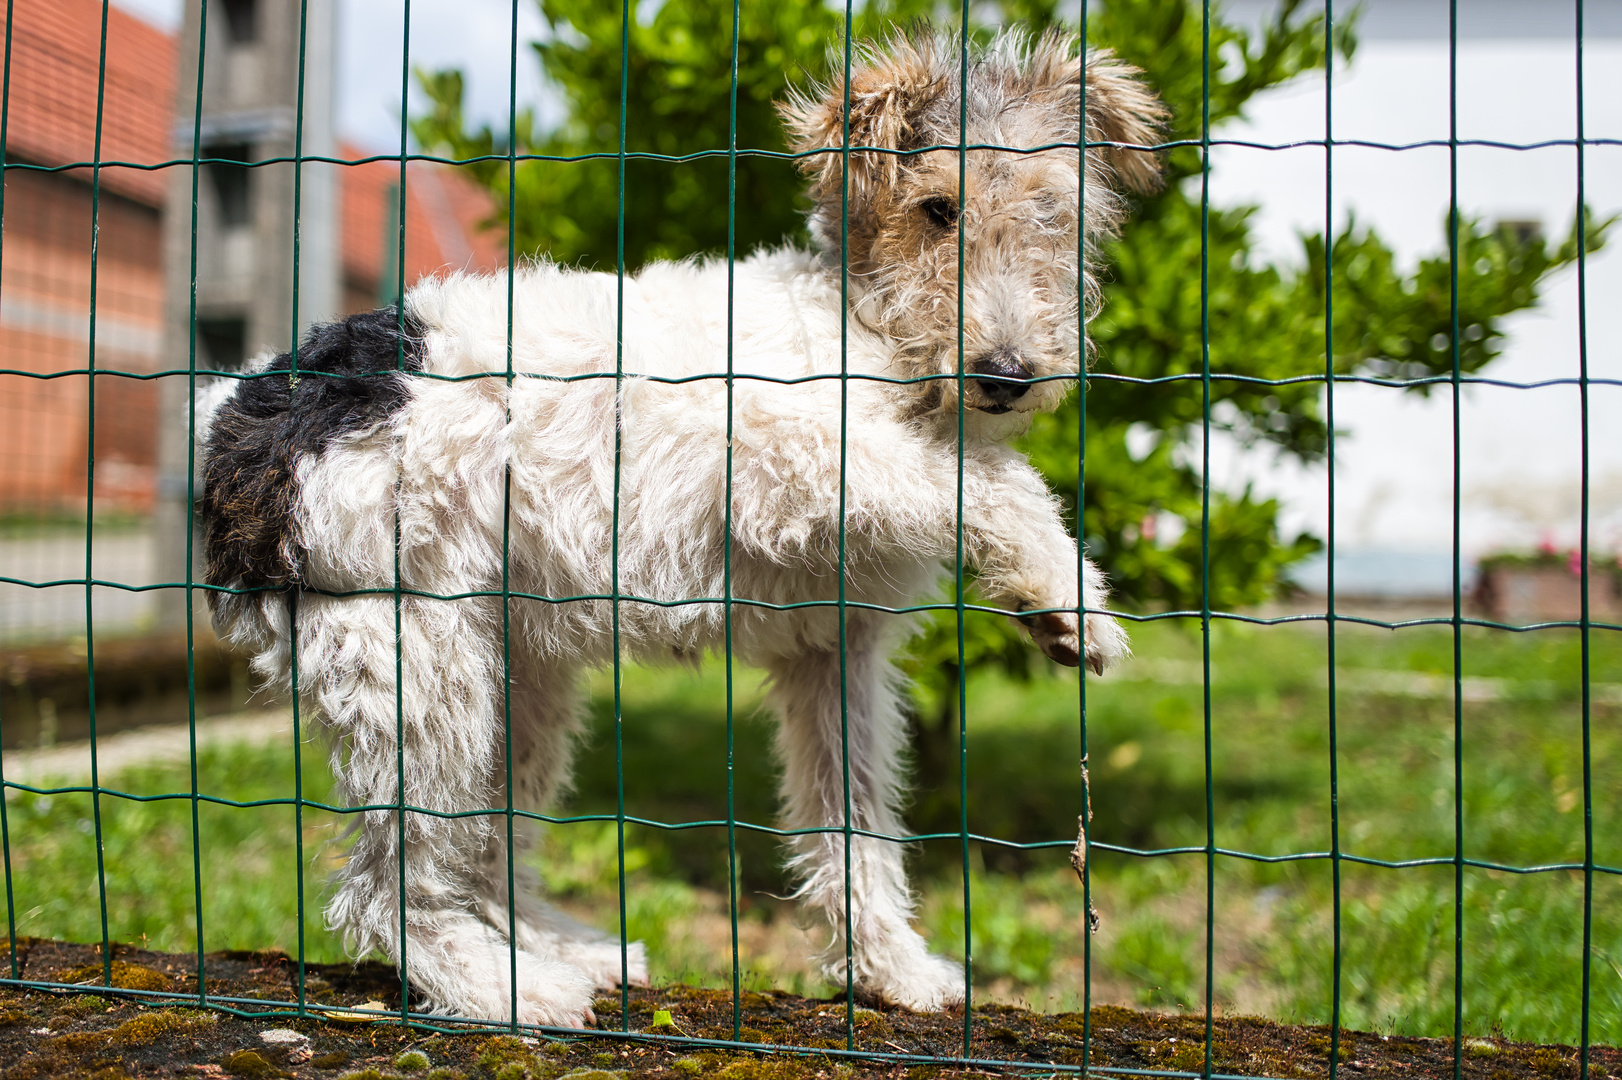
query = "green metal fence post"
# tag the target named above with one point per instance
(90, 501)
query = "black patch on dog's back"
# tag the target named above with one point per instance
(347, 382)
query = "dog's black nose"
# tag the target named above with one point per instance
(1008, 374)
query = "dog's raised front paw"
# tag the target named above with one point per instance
(1055, 633)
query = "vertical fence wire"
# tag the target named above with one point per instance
(90, 501)
(614, 545)
(1586, 627)
(399, 481)
(5, 817)
(506, 526)
(191, 517)
(840, 609)
(1205, 518)
(1081, 554)
(1458, 583)
(1329, 457)
(726, 519)
(292, 398)
(957, 563)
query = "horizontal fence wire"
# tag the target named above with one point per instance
(792, 156)
(1207, 616)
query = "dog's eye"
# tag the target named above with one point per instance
(941, 211)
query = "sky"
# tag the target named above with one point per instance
(1520, 450)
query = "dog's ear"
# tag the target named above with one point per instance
(1121, 109)
(889, 93)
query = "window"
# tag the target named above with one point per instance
(221, 344)
(231, 187)
(241, 22)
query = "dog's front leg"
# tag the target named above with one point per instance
(842, 765)
(1015, 539)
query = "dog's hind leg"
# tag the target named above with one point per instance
(545, 712)
(408, 886)
(820, 744)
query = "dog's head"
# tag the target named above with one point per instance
(1020, 213)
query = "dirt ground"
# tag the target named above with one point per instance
(118, 1036)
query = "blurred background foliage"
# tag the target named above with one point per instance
(1142, 501)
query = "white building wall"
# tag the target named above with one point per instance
(1520, 449)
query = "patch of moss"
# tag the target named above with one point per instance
(79, 1042)
(688, 1066)
(410, 1061)
(250, 1064)
(113, 1071)
(1547, 1061)
(1186, 1057)
(443, 1073)
(148, 1028)
(335, 1059)
(363, 1074)
(83, 1005)
(603, 1059)
(124, 976)
(499, 1051)
(512, 1070)
(557, 1048)
(593, 1074)
(1347, 1050)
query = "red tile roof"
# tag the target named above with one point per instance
(444, 214)
(55, 53)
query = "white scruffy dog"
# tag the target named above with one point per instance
(311, 477)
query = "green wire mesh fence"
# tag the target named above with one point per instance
(1336, 856)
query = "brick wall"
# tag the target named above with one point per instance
(45, 283)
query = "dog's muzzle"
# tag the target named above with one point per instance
(1003, 379)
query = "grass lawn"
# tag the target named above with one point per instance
(1272, 947)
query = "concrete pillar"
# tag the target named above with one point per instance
(243, 237)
